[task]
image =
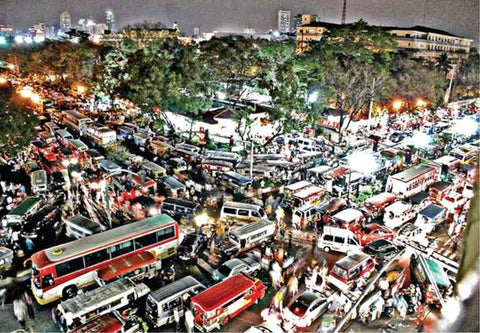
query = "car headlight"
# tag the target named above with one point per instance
(153, 211)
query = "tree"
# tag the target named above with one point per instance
(14, 116)
(443, 64)
(467, 81)
(355, 60)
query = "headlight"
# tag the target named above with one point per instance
(153, 211)
(201, 219)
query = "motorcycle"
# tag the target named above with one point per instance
(167, 275)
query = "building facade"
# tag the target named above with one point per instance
(110, 20)
(303, 19)
(284, 19)
(65, 21)
(421, 41)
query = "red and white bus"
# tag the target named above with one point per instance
(134, 250)
(216, 305)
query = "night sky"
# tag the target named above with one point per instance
(460, 17)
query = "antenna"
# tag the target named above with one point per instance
(344, 12)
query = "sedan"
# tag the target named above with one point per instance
(382, 249)
(372, 232)
(306, 308)
(234, 266)
(191, 247)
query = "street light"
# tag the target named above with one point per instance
(420, 103)
(397, 104)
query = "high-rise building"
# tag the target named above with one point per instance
(284, 21)
(90, 25)
(65, 21)
(196, 32)
(110, 19)
(82, 24)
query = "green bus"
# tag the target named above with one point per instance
(27, 207)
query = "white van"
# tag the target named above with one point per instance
(38, 179)
(162, 303)
(249, 236)
(398, 213)
(80, 226)
(339, 239)
(305, 214)
(348, 217)
(306, 144)
(239, 211)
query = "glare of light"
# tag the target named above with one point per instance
(467, 127)
(35, 98)
(3, 40)
(26, 92)
(363, 162)
(76, 174)
(152, 211)
(312, 97)
(221, 95)
(11, 66)
(28, 40)
(38, 39)
(421, 140)
(65, 163)
(397, 104)
(201, 219)
(81, 89)
(3, 80)
(75, 40)
(73, 160)
(420, 103)
(19, 39)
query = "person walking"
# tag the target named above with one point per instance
(20, 311)
(29, 304)
(176, 316)
(189, 321)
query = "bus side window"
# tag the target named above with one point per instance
(243, 242)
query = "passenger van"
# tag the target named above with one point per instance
(162, 303)
(178, 209)
(27, 208)
(47, 137)
(243, 212)
(304, 215)
(153, 170)
(350, 268)
(339, 240)
(78, 145)
(64, 137)
(178, 163)
(348, 217)
(249, 236)
(187, 150)
(306, 143)
(39, 182)
(234, 180)
(51, 127)
(79, 226)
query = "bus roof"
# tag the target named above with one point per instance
(352, 260)
(298, 185)
(107, 324)
(82, 245)
(82, 302)
(24, 206)
(412, 173)
(252, 227)
(223, 292)
(183, 285)
(380, 198)
(241, 205)
(308, 192)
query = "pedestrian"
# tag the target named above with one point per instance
(176, 317)
(3, 296)
(29, 304)
(20, 311)
(189, 321)
(289, 240)
(292, 285)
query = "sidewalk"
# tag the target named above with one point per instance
(41, 323)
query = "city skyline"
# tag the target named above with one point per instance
(459, 18)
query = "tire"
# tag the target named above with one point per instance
(326, 249)
(69, 292)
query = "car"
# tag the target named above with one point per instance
(371, 232)
(453, 201)
(397, 137)
(382, 249)
(191, 247)
(148, 204)
(333, 206)
(109, 166)
(234, 266)
(305, 309)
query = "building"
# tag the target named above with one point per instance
(421, 41)
(303, 19)
(5, 30)
(82, 24)
(100, 29)
(284, 18)
(65, 21)
(110, 20)
(196, 32)
(430, 43)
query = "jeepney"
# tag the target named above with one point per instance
(18, 216)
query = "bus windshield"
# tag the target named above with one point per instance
(340, 272)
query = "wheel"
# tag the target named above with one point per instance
(69, 292)
(225, 320)
(326, 249)
(263, 245)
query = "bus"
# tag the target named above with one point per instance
(75, 120)
(97, 302)
(135, 249)
(216, 305)
(19, 215)
(412, 181)
(466, 154)
(100, 135)
(246, 237)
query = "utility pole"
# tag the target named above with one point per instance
(370, 106)
(344, 12)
